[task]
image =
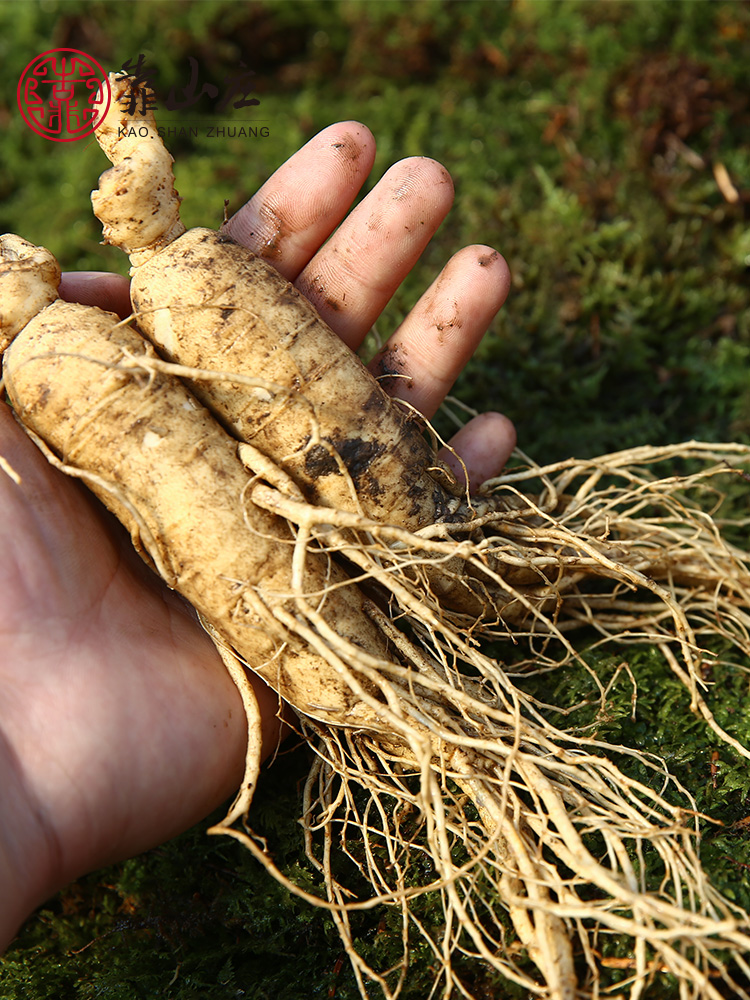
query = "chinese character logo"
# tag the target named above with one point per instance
(142, 76)
(63, 95)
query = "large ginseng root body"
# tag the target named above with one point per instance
(210, 304)
(170, 473)
(283, 381)
(90, 390)
(352, 449)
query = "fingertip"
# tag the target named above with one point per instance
(493, 261)
(419, 174)
(300, 205)
(97, 288)
(488, 264)
(352, 144)
(353, 130)
(480, 449)
(478, 274)
(445, 327)
(435, 167)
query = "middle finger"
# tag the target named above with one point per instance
(354, 275)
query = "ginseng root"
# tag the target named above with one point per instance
(329, 551)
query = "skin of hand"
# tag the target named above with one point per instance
(119, 725)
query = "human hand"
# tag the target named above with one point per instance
(119, 725)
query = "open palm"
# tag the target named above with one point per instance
(119, 726)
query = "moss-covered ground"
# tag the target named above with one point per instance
(591, 143)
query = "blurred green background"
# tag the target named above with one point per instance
(604, 149)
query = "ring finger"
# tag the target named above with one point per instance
(422, 359)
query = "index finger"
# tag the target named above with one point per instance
(301, 204)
